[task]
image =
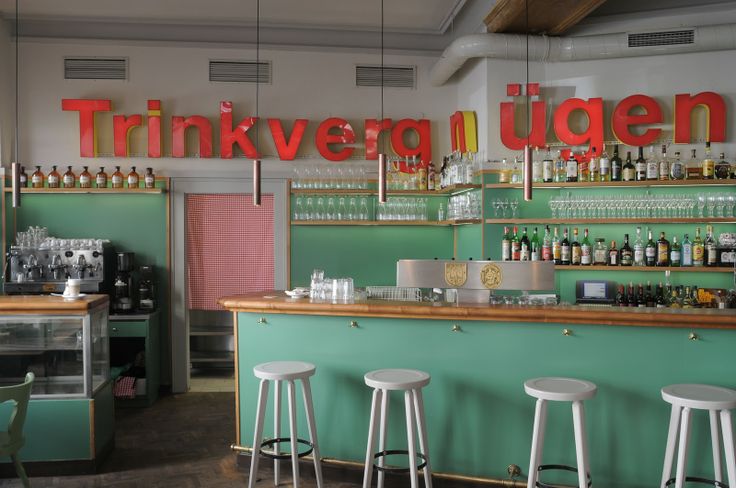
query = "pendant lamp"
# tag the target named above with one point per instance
(382, 154)
(527, 146)
(15, 166)
(257, 160)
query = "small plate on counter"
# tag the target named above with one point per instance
(298, 292)
(69, 297)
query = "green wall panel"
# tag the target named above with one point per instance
(469, 242)
(479, 417)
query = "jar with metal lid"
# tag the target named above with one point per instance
(600, 251)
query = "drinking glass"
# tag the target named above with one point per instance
(298, 209)
(701, 205)
(341, 210)
(711, 204)
(319, 213)
(514, 208)
(309, 211)
(315, 284)
(308, 178)
(730, 201)
(352, 209)
(330, 212)
(364, 214)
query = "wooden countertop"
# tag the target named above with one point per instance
(48, 305)
(277, 302)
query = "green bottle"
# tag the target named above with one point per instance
(650, 251)
(586, 251)
(536, 255)
(675, 253)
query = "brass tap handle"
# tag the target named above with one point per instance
(693, 336)
(566, 332)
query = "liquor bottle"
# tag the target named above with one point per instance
(575, 248)
(708, 166)
(506, 245)
(101, 178)
(516, 174)
(674, 301)
(663, 251)
(149, 179)
(53, 178)
(629, 171)
(613, 258)
(37, 178)
(556, 248)
(117, 178)
(675, 253)
(723, 169)
(648, 295)
(652, 165)
(687, 299)
(711, 255)
(693, 168)
(626, 254)
(430, 177)
(560, 169)
(664, 165)
(23, 177)
(605, 166)
(616, 166)
(515, 245)
(422, 178)
(621, 296)
(525, 247)
(650, 251)
(687, 252)
(641, 166)
(583, 168)
(698, 249)
(594, 167)
(547, 245)
(69, 179)
(638, 249)
(85, 178)
(641, 300)
(586, 251)
(660, 300)
(677, 168)
(631, 296)
(548, 168)
(534, 246)
(536, 167)
(571, 168)
(600, 253)
(134, 180)
(565, 249)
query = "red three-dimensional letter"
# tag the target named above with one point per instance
(86, 109)
(238, 135)
(593, 108)
(178, 140)
(324, 139)
(716, 123)
(373, 130)
(622, 120)
(508, 126)
(154, 128)
(423, 149)
(121, 127)
(287, 150)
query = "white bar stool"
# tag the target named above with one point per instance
(718, 402)
(559, 390)
(278, 371)
(411, 382)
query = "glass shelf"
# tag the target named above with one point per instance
(435, 223)
(687, 269)
(450, 190)
(618, 184)
(635, 220)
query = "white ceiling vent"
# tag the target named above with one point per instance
(95, 68)
(240, 71)
(393, 76)
(662, 38)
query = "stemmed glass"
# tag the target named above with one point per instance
(514, 208)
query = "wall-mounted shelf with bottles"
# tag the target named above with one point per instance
(685, 269)
(617, 184)
(56, 191)
(635, 220)
(450, 190)
(440, 223)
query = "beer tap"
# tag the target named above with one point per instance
(56, 267)
(33, 266)
(81, 266)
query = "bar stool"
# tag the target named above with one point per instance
(289, 371)
(409, 381)
(718, 402)
(559, 390)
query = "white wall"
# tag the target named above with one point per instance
(7, 94)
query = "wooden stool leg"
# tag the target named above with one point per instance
(728, 446)
(535, 458)
(715, 439)
(581, 443)
(293, 434)
(309, 408)
(382, 436)
(669, 453)
(682, 449)
(276, 428)
(258, 433)
(422, 428)
(410, 438)
(368, 473)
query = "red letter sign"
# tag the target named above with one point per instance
(154, 128)
(121, 127)
(324, 139)
(178, 141)
(714, 106)
(372, 132)
(593, 108)
(230, 136)
(508, 126)
(87, 109)
(287, 150)
(423, 149)
(622, 120)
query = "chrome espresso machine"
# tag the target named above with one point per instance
(36, 266)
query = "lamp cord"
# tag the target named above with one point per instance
(17, 63)
(382, 78)
(258, 71)
(526, 89)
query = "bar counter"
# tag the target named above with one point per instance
(479, 418)
(49, 305)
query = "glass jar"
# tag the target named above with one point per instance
(600, 252)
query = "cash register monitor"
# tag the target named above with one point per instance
(595, 292)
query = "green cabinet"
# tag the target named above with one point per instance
(130, 335)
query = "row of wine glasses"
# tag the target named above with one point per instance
(403, 208)
(717, 205)
(330, 176)
(331, 208)
(505, 208)
(465, 206)
(622, 206)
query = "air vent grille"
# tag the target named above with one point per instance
(665, 38)
(240, 71)
(393, 76)
(95, 68)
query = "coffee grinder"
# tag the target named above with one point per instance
(146, 289)
(122, 300)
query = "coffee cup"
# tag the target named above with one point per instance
(72, 287)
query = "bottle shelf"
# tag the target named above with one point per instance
(619, 184)
(638, 220)
(128, 191)
(688, 269)
(430, 223)
(450, 190)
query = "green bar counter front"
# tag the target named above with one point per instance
(479, 418)
(70, 424)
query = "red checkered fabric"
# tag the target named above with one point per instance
(124, 387)
(229, 247)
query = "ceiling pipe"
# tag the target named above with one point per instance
(580, 48)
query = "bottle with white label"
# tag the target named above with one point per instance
(53, 179)
(134, 180)
(594, 167)
(69, 179)
(638, 249)
(85, 178)
(548, 166)
(37, 178)
(652, 165)
(149, 179)
(23, 177)
(101, 178)
(664, 165)
(687, 251)
(117, 178)
(536, 167)
(605, 166)
(572, 169)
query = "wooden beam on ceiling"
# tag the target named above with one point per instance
(551, 17)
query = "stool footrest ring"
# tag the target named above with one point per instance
(390, 452)
(271, 442)
(695, 479)
(547, 467)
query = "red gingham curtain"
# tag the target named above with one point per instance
(229, 247)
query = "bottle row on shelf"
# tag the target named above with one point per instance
(69, 179)
(678, 297)
(662, 252)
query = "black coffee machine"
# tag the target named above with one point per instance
(122, 299)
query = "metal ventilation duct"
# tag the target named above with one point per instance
(393, 76)
(76, 68)
(240, 71)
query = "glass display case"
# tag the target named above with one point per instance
(69, 354)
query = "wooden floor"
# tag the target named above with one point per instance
(181, 441)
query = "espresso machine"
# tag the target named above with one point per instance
(122, 296)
